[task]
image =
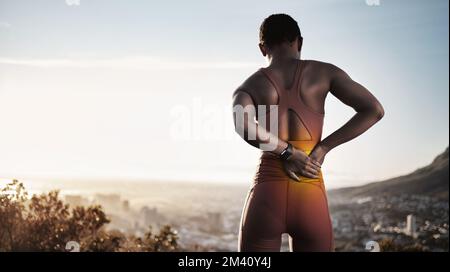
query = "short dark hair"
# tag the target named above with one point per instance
(278, 28)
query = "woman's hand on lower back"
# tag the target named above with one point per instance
(301, 164)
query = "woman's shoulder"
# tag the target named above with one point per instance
(256, 85)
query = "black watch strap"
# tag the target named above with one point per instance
(287, 152)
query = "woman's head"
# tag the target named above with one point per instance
(279, 30)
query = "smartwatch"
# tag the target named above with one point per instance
(287, 152)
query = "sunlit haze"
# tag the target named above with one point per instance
(141, 90)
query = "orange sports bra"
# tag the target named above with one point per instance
(297, 122)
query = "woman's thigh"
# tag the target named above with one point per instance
(263, 217)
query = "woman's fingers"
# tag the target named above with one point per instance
(316, 163)
(315, 175)
(312, 167)
(308, 174)
(308, 168)
(293, 176)
(290, 171)
(312, 170)
(312, 163)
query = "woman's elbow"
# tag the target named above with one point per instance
(378, 111)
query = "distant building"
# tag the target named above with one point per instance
(126, 206)
(108, 201)
(411, 227)
(150, 216)
(76, 200)
(112, 198)
(215, 221)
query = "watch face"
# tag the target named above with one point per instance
(286, 153)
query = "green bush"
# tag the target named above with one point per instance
(45, 223)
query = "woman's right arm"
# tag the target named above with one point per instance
(244, 114)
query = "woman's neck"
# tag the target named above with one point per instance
(282, 56)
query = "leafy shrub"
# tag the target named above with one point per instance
(45, 223)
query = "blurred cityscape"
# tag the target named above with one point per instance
(207, 217)
(411, 221)
(406, 213)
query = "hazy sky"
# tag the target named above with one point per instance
(142, 89)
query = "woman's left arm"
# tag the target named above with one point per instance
(368, 112)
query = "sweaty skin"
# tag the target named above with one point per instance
(289, 197)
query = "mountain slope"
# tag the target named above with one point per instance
(431, 180)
